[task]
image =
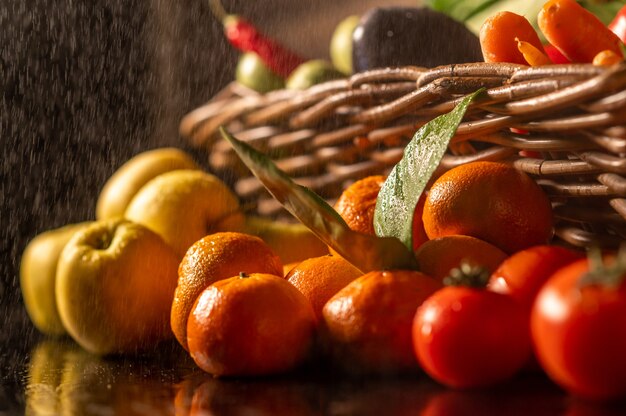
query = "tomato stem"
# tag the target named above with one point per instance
(468, 275)
(600, 273)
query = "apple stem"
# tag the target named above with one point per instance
(243, 275)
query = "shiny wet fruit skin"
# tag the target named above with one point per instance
(250, 325)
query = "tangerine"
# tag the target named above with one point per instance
(250, 325)
(319, 278)
(419, 235)
(439, 256)
(368, 323)
(490, 201)
(357, 203)
(212, 258)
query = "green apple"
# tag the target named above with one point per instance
(311, 73)
(185, 205)
(253, 73)
(292, 242)
(341, 44)
(115, 286)
(134, 174)
(38, 270)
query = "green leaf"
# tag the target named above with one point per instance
(366, 252)
(406, 182)
(460, 10)
(604, 10)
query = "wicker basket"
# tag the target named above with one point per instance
(565, 125)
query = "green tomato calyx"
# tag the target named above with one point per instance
(468, 275)
(602, 274)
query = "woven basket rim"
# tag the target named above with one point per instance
(569, 118)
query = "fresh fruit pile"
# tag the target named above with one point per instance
(455, 275)
(85, 280)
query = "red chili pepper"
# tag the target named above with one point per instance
(245, 37)
(618, 25)
(555, 55)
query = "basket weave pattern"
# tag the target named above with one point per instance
(565, 125)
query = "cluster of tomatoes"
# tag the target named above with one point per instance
(544, 305)
(506, 301)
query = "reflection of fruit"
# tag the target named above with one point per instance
(215, 257)
(250, 325)
(438, 256)
(135, 173)
(319, 278)
(357, 203)
(185, 205)
(253, 73)
(115, 283)
(311, 73)
(523, 274)
(293, 242)
(64, 379)
(44, 377)
(268, 397)
(341, 44)
(368, 322)
(468, 337)
(490, 201)
(38, 270)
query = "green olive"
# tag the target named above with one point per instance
(341, 44)
(253, 73)
(312, 72)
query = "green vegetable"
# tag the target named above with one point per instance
(311, 73)
(406, 182)
(460, 10)
(366, 252)
(253, 73)
(341, 44)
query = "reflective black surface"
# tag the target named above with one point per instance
(44, 376)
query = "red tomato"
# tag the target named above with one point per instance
(579, 333)
(522, 275)
(467, 337)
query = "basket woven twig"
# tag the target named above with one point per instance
(565, 125)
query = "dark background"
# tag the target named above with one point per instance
(86, 85)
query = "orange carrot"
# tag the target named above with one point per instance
(498, 34)
(532, 55)
(607, 58)
(575, 31)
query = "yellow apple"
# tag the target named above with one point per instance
(135, 173)
(38, 270)
(185, 205)
(115, 286)
(292, 242)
